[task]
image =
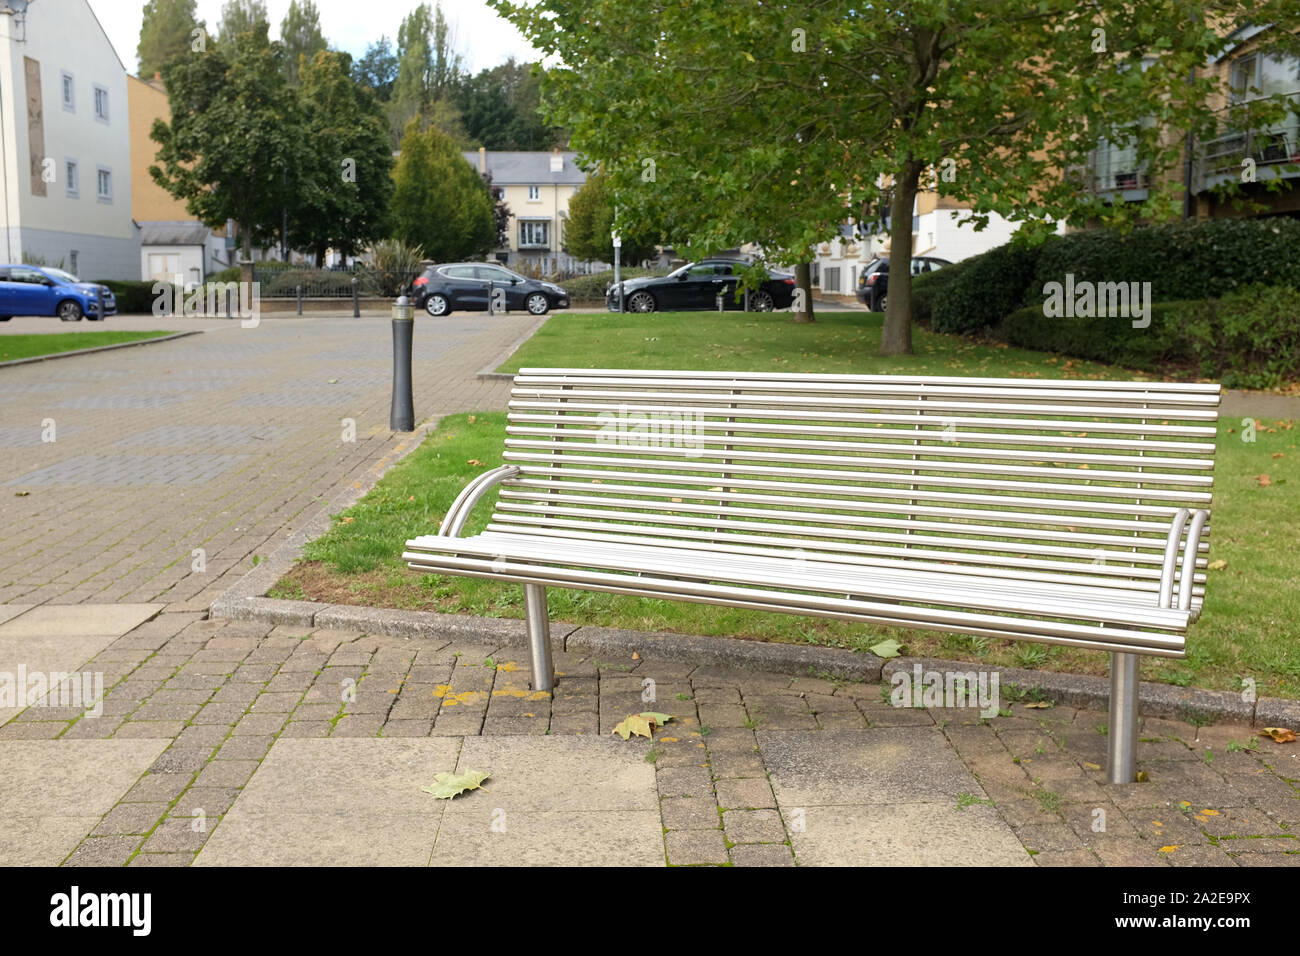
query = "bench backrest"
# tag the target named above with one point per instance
(1069, 481)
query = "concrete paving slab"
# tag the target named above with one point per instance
(560, 773)
(880, 765)
(10, 611)
(71, 620)
(44, 654)
(358, 836)
(53, 792)
(914, 834)
(479, 832)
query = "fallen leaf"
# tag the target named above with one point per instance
(1169, 849)
(636, 656)
(333, 381)
(475, 462)
(643, 724)
(1038, 705)
(1217, 565)
(1091, 766)
(1277, 454)
(448, 785)
(21, 494)
(1280, 734)
(472, 419)
(1142, 776)
(888, 648)
(1263, 480)
(349, 519)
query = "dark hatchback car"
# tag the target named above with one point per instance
(873, 284)
(469, 286)
(44, 290)
(697, 285)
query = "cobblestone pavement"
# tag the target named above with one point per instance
(223, 442)
(754, 769)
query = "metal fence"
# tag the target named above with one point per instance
(282, 281)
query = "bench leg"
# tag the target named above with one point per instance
(539, 636)
(1122, 733)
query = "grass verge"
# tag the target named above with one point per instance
(32, 345)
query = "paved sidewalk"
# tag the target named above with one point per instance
(175, 467)
(245, 744)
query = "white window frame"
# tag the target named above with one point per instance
(534, 193)
(72, 173)
(531, 225)
(68, 84)
(101, 196)
(96, 89)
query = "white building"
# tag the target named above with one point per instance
(65, 188)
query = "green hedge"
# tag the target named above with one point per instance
(984, 289)
(593, 286)
(132, 296)
(930, 287)
(1249, 338)
(1182, 261)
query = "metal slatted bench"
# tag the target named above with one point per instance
(1064, 512)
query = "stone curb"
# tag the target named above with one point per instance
(99, 348)
(489, 371)
(1077, 690)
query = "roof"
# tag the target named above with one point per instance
(528, 168)
(168, 233)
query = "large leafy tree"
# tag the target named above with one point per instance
(762, 123)
(377, 69)
(346, 185)
(300, 33)
(235, 141)
(440, 202)
(166, 32)
(501, 108)
(591, 220)
(242, 16)
(429, 67)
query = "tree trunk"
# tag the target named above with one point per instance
(803, 289)
(320, 257)
(247, 238)
(896, 335)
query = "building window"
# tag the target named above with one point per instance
(74, 181)
(101, 103)
(72, 262)
(69, 92)
(534, 193)
(533, 233)
(104, 184)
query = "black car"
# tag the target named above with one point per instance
(469, 286)
(873, 284)
(697, 285)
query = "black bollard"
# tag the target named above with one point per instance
(356, 298)
(402, 416)
(99, 303)
(300, 300)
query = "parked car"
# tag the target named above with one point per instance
(697, 285)
(467, 287)
(43, 290)
(873, 284)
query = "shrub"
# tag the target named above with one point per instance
(593, 286)
(985, 289)
(132, 296)
(1111, 340)
(225, 275)
(1249, 338)
(930, 287)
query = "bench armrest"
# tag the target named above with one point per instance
(1193, 522)
(460, 509)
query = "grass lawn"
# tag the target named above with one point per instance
(29, 346)
(1250, 626)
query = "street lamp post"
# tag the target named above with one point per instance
(618, 283)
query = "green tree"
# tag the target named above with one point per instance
(242, 16)
(591, 222)
(346, 185)
(763, 124)
(501, 108)
(166, 31)
(429, 68)
(235, 138)
(378, 69)
(301, 36)
(440, 202)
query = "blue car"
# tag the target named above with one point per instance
(42, 290)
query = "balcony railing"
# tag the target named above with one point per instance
(1113, 169)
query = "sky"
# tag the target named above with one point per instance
(484, 38)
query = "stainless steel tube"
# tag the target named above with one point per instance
(539, 636)
(1122, 734)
